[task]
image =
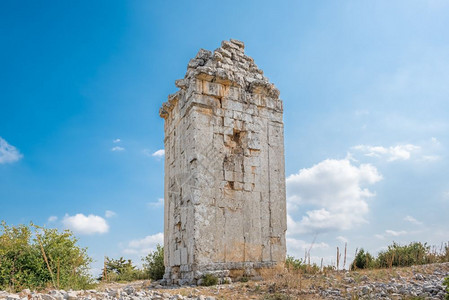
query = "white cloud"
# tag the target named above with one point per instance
(292, 207)
(435, 141)
(412, 220)
(390, 232)
(350, 157)
(117, 148)
(8, 153)
(145, 245)
(52, 219)
(158, 153)
(158, 203)
(335, 187)
(82, 224)
(116, 141)
(110, 214)
(392, 153)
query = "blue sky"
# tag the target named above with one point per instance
(366, 112)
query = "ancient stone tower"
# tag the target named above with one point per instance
(225, 207)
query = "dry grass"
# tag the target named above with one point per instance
(282, 284)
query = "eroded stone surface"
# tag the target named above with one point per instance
(225, 208)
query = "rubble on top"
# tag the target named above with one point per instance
(227, 65)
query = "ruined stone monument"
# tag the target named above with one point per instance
(225, 206)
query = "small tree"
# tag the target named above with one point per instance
(153, 263)
(362, 260)
(121, 270)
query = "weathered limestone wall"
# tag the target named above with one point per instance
(225, 206)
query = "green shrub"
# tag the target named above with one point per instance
(154, 263)
(209, 280)
(121, 270)
(363, 260)
(403, 256)
(292, 263)
(276, 296)
(415, 253)
(34, 257)
(444, 256)
(446, 283)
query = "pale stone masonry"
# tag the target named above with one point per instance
(225, 206)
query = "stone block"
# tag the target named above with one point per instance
(213, 89)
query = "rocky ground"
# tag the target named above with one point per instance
(418, 282)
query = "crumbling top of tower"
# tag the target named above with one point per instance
(227, 65)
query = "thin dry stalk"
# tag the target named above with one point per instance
(46, 261)
(338, 257)
(57, 276)
(344, 261)
(105, 274)
(354, 265)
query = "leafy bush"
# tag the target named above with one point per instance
(292, 263)
(121, 270)
(402, 256)
(34, 257)
(209, 280)
(363, 260)
(154, 263)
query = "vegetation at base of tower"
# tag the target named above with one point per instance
(295, 264)
(36, 258)
(209, 280)
(153, 263)
(292, 263)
